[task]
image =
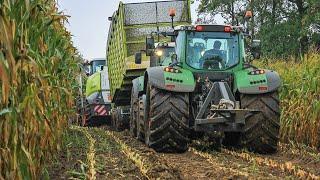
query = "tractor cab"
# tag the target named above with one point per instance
(95, 65)
(210, 47)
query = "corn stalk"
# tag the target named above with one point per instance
(37, 72)
(300, 99)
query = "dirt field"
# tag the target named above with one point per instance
(115, 155)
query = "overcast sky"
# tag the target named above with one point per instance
(89, 23)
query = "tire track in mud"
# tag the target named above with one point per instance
(110, 161)
(144, 158)
(196, 164)
(91, 151)
(294, 166)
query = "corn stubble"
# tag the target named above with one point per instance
(37, 69)
(300, 99)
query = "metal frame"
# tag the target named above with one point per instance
(227, 119)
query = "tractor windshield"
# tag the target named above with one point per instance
(212, 50)
(97, 65)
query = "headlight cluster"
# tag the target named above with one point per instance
(257, 72)
(171, 70)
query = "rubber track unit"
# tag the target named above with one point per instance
(261, 131)
(169, 121)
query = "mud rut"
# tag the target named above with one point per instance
(227, 164)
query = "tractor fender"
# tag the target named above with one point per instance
(273, 82)
(137, 86)
(177, 82)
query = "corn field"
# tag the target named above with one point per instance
(37, 69)
(300, 99)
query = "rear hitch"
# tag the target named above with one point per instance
(225, 116)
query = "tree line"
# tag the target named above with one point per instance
(286, 28)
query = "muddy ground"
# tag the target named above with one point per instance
(119, 156)
(109, 161)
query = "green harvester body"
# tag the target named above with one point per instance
(130, 24)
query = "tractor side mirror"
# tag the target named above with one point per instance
(174, 58)
(149, 45)
(256, 48)
(154, 61)
(110, 18)
(137, 58)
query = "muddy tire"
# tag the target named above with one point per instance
(167, 128)
(261, 131)
(113, 118)
(141, 118)
(134, 115)
(116, 120)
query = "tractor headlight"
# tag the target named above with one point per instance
(159, 53)
(257, 72)
(171, 70)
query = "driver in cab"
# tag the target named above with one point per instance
(213, 58)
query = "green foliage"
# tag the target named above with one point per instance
(228, 9)
(300, 100)
(285, 27)
(281, 41)
(37, 75)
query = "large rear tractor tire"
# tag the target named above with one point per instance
(141, 118)
(167, 127)
(261, 131)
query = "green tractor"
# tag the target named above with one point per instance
(206, 86)
(96, 106)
